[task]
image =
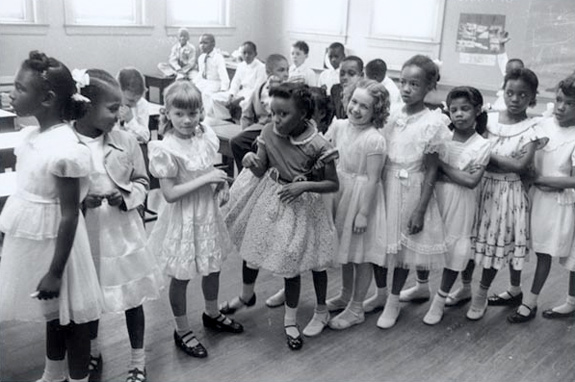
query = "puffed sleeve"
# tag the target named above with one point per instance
(323, 150)
(162, 163)
(536, 135)
(71, 161)
(375, 145)
(436, 133)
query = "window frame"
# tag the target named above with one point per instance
(35, 22)
(227, 28)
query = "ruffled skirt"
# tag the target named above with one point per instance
(424, 250)
(286, 239)
(190, 237)
(367, 247)
(457, 206)
(129, 275)
(502, 228)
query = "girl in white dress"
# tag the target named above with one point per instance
(128, 273)
(414, 227)
(553, 204)
(359, 205)
(190, 237)
(46, 250)
(501, 232)
(462, 162)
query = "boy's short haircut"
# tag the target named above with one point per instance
(272, 61)
(251, 45)
(517, 60)
(357, 60)
(131, 79)
(302, 45)
(375, 68)
(184, 31)
(337, 46)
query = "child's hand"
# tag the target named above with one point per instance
(291, 191)
(223, 195)
(216, 176)
(49, 286)
(519, 154)
(115, 198)
(250, 160)
(415, 223)
(126, 113)
(359, 223)
(473, 168)
(93, 201)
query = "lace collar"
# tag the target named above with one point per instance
(309, 133)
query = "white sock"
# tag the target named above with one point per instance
(138, 359)
(290, 317)
(95, 347)
(54, 370)
(182, 324)
(514, 290)
(567, 307)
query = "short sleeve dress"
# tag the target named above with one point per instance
(30, 220)
(355, 145)
(409, 138)
(285, 238)
(458, 204)
(190, 237)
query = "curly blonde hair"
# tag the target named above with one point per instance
(380, 100)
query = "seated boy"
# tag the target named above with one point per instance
(257, 112)
(377, 70)
(330, 76)
(249, 73)
(299, 71)
(182, 61)
(134, 112)
(350, 72)
(212, 76)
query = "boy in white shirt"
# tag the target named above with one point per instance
(182, 60)
(330, 76)
(249, 73)
(377, 70)
(134, 112)
(299, 71)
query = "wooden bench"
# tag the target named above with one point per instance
(8, 141)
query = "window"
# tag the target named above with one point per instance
(105, 12)
(309, 16)
(198, 13)
(22, 17)
(17, 11)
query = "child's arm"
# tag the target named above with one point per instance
(374, 167)
(257, 163)
(461, 177)
(415, 223)
(68, 190)
(556, 182)
(174, 192)
(330, 183)
(516, 165)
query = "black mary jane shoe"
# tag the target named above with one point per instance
(198, 351)
(294, 343)
(497, 300)
(517, 318)
(219, 323)
(136, 375)
(225, 308)
(551, 314)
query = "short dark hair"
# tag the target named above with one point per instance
(338, 46)
(131, 79)
(301, 45)
(426, 64)
(273, 60)
(322, 102)
(517, 60)
(299, 93)
(251, 45)
(355, 59)
(526, 75)
(475, 98)
(567, 86)
(376, 68)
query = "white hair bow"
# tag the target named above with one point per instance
(81, 77)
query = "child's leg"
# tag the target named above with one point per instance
(377, 301)
(78, 350)
(95, 354)
(353, 313)
(136, 323)
(435, 312)
(513, 296)
(539, 279)
(479, 300)
(183, 336)
(320, 315)
(55, 368)
(391, 311)
(340, 302)
(248, 297)
(212, 317)
(420, 292)
(462, 294)
(292, 288)
(568, 308)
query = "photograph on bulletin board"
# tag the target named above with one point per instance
(478, 37)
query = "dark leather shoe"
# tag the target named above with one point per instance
(294, 343)
(517, 318)
(225, 308)
(219, 324)
(495, 300)
(551, 314)
(198, 351)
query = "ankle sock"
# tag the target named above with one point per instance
(514, 290)
(567, 307)
(480, 298)
(95, 347)
(138, 359)
(211, 307)
(54, 370)
(290, 318)
(320, 309)
(182, 324)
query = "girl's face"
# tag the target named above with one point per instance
(463, 114)
(184, 121)
(298, 57)
(285, 115)
(349, 73)
(27, 95)
(104, 114)
(360, 108)
(129, 98)
(517, 96)
(564, 109)
(413, 85)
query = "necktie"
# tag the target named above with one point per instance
(205, 71)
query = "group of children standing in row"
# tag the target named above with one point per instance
(402, 188)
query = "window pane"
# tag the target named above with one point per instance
(197, 12)
(13, 11)
(327, 16)
(406, 18)
(105, 12)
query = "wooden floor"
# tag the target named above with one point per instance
(455, 350)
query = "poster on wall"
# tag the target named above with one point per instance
(478, 37)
